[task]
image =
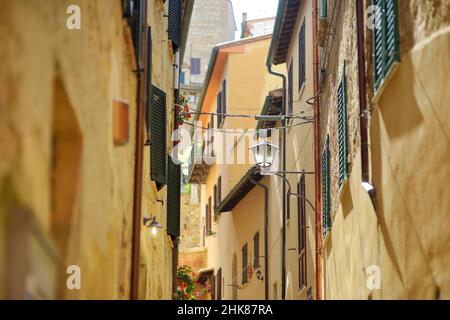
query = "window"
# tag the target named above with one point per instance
(173, 198)
(326, 187)
(192, 98)
(174, 29)
(215, 196)
(219, 190)
(301, 208)
(256, 250)
(386, 43)
(324, 8)
(133, 11)
(219, 284)
(195, 65)
(244, 263)
(342, 128)
(288, 207)
(301, 56)
(219, 109)
(290, 88)
(224, 99)
(182, 78)
(157, 121)
(208, 216)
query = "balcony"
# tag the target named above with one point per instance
(201, 161)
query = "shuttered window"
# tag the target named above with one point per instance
(208, 217)
(386, 44)
(290, 88)
(219, 190)
(157, 120)
(342, 128)
(244, 263)
(256, 250)
(324, 8)
(301, 57)
(326, 205)
(224, 99)
(137, 24)
(219, 109)
(301, 208)
(219, 284)
(173, 198)
(175, 8)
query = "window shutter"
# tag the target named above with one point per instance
(138, 26)
(219, 284)
(175, 8)
(158, 158)
(324, 9)
(290, 88)
(244, 263)
(342, 128)
(224, 97)
(386, 46)
(219, 109)
(256, 250)
(326, 187)
(301, 207)
(301, 57)
(173, 198)
(219, 190)
(208, 216)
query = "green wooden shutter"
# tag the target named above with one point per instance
(219, 109)
(173, 198)
(175, 10)
(342, 129)
(326, 204)
(324, 9)
(158, 157)
(386, 43)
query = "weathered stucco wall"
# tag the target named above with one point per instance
(46, 68)
(405, 232)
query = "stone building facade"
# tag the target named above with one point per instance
(385, 234)
(68, 124)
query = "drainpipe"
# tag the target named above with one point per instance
(317, 155)
(266, 236)
(283, 152)
(363, 114)
(137, 188)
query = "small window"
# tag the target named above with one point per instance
(386, 41)
(301, 208)
(290, 88)
(256, 250)
(301, 57)
(195, 66)
(182, 78)
(192, 98)
(219, 110)
(244, 263)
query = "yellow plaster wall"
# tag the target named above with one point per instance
(95, 66)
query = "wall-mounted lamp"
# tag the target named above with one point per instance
(154, 226)
(264, 153)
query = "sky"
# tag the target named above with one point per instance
(255, 9)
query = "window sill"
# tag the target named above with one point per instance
(391, 73)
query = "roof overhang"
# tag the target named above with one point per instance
(282, 33)
(217, 62)
(240, 190)
(272, 106)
